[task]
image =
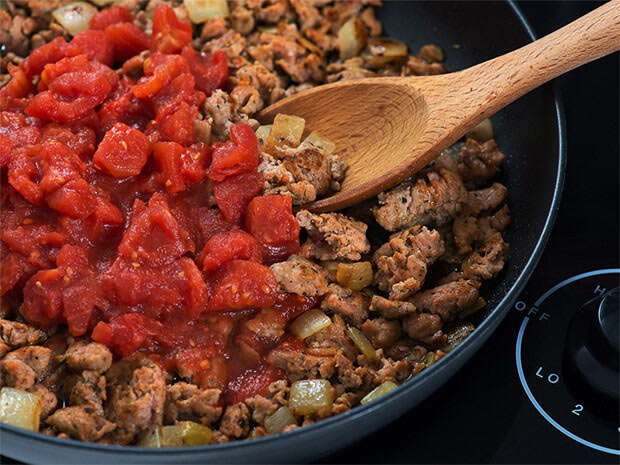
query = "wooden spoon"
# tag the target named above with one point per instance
(388, 128)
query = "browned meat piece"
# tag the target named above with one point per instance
(353, 306)
(487, 261)
(258, 77)
(232, 44)
(299, 276)
(246, 100)
(307, 15)
(220, 113)
(353, 68)
(333, 236)
(214, 27)
(15, 32)
(4, 349)
(86, 355)
(374, 26)
(449, 299)
(485, 199)
(418, 67)
(236, 421)
(271, 11)
(17, 334)
(38, 358)
(87, 388)
(424, 327)
(136, 394)
(431, 53)
(242, 19)
(83, 423)
(262, 408)
(391, 309)
(456, 335)
(257, 432)
(17, 374)
(477, 163)
(303, 173)
(335, 336)
(346, 402)
(347, 373)
(48, 399)
(186, 401)
(301, 365)
(434, 199)
(267, 323)
(402, 261)
(381, 332)
(469, 232)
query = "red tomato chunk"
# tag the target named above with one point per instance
(122, 152)
(169, 34)
(270, 220)
(237, 155)
(113, 15)
(227, 246)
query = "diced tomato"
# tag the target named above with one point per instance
(90, 230)
(203, 366)
(13, 268)
(114, 14)
(227, 246)
(70, 96)
(179, 126)
(67, 293)
(167, 157)
(170, 34)
(73, 199)
(173, 289)
(154, 236)
(270, 220)
(48, 53)
(252, 383)
(236, 155)
(127, 333)
(123, 107)
(234, 193)
(21, 130)
(95, 45)
(122, 152)
(79, 138)
(14, 95)
(242, 284)
(194, 159)
(6, 147)
(76, 63)
(210, 71)
(209, 222)
(128, 40)
(159, 70)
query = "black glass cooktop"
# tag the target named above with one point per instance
(534, 394)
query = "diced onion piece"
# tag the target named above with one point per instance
(262, 133)
(309, 323)
(20, 408)
(351, 38)
(171, 436)
(279, 420)
(355, 276)
(201, 10)
(311, 396)
(152, 438)
(103, 2)
(286, 130)
(319, 141)
(383, 50)
(194, 434)
(268, 28)
(75, 17)
(480, 303)
(429, 359)
(483, 132)
(362, 343)
(379, 391)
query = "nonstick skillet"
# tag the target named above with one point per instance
(530, 132)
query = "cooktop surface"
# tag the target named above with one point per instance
(544, 388)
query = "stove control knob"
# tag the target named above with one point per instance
(592, 345)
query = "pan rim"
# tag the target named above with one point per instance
(462, 352)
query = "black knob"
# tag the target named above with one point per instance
(592, 345)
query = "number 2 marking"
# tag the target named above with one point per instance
(578, 408)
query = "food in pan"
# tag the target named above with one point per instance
(157, 287)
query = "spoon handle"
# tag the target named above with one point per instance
(490, 86)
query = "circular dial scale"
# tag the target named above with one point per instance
(567, 358)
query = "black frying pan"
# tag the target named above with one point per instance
(530, 132)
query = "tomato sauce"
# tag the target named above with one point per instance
(106, 223)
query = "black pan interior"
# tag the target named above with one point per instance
(529, 132)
